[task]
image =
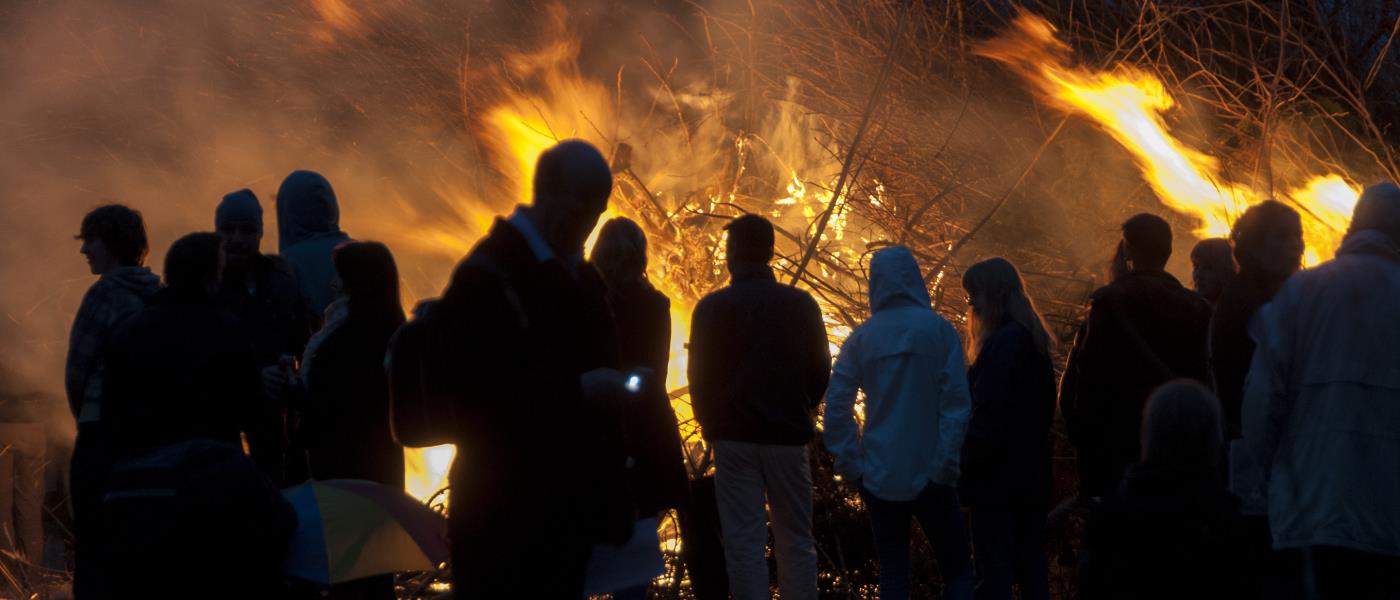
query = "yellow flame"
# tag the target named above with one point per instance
(544, 98)
(1129, 105)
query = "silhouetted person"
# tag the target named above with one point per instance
(539, 473)
(1143, 329)
(181, 388)
(1269, 248)
(1322, 408)
(344, 426)
(114, 243)
(643, 318)
(908, 361)
(262, 290)
(759, 364)
(308, 230)
(183, 367)
(1006, 458)
(1171, 530)
(1212, 268)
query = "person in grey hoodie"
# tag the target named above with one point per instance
(114, 243)
(308, 230)
(905, 461)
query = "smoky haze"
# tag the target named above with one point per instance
(168, 105)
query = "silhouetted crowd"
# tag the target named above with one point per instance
(1237, 441)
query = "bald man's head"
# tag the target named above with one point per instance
(571, 189)
(1378, 209)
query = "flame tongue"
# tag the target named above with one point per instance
(1128, 104)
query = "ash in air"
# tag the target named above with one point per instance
(410, 300)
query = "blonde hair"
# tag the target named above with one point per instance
(620, 254)
(1005, 293)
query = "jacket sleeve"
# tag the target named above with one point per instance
(820, 367)
(1069, 388)
(954, 409)
(1267, 404)
(699, 362)
(993, 402)
(86, 341)
(839, 428)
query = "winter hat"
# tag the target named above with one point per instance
(238, 207)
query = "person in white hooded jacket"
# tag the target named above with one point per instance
(909, 363)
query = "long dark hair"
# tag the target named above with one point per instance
(999, 281)
(370, 279)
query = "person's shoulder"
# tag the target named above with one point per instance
(796, 295)
(709, 302)
(656, 300)
(1011, 335)
(278, 266)
(1107, 294)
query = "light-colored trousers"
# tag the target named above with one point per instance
(745, 474)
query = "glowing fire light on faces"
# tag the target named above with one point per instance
(1128, 104)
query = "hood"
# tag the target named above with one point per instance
(138, 280)
(1370, 241)
(895, 280)
(306, 208)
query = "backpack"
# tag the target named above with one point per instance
(422, 407)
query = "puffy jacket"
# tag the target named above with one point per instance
(909, 362)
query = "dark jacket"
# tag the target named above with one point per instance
(1143, 330)
(759, 360)
(537, 467)
(1231, 348)
(275, 317)
(1006, 456)
(180, 370)
(1165, 534)
(274, 314)
(658, 479)
(345, 426)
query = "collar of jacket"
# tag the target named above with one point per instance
(1373, 242)
(520, 220)
(1159, 275)
(747, 271)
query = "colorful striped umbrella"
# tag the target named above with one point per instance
(348, 529)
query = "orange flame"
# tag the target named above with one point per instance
(1129, 105)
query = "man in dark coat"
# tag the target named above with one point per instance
(540, 470)
(1269, 248)
(183, 368)
(262, 291)
(181, 387)
(1143, 329)
(759, 364)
